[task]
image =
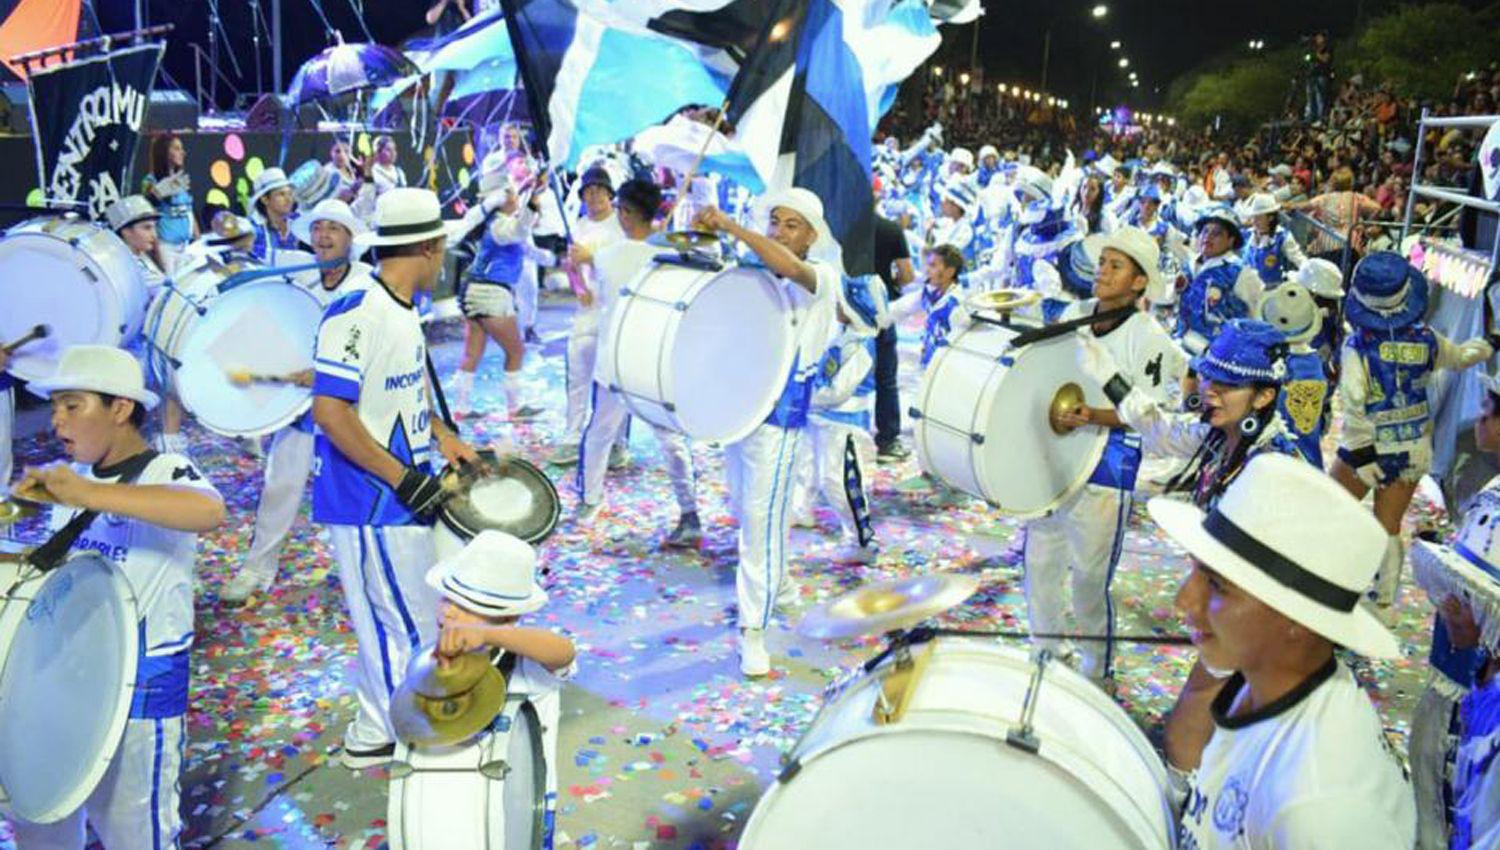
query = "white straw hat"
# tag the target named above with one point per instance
(1138, 245)
(404, 216)
(493, 575)
(329, 209)
(98, 369)
(266, 182)
(1289, 535)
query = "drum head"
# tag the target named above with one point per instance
(263, 328)
(517, 498)
(46, 279)
(526, 783)
(65, 685)
(732, 354)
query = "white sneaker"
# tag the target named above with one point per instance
(566, 454)
(238, 590)
(587, 512)
(754, 660)
(853, 553)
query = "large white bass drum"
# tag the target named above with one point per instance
(77, 278)
(967, 743)
(68, 657)
(701, 351)
(982, 419)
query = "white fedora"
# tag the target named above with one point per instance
(804, 203)
(493, 575)
(1261, 203)
(1138, 245)
(266, 182)
(329, 209)
(129, 210)
(404, 216)
(98, 369)
(1290, 536)
(1321, 277)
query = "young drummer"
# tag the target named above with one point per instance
(375, 488)
(939, 297)
(1079, 543)
(152, 508)
(329, 229)
(1287, 751)
(760, 467)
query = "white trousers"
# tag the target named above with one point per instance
(134, 807)
(7, 426)
(288, 464)
(1078, 545)
(820, 477)
(525, 293)
(605, 426)
(761, 473)
(1432, 743)
(393, 612)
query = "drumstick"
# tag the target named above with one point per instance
(37, 332)
(245, 377)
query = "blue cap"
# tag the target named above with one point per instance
(1385, 292)
(1246, 351)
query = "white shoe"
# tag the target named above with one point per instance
(238, 590)
(619, 458)
(566, 454)
(754, 660)
(853, 553)
(587, 512)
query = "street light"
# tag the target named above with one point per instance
(1051, 101)
(964, 78)
(1114, 45)
(1002, 88)
(1100, 10)
(937, 70)
(1124, 62)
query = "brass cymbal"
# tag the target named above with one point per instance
(1002, 300)
(13, 511)
(1069, 397)
(684, 240)
(887, 606)
(437, 705)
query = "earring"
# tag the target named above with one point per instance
(1249, 426)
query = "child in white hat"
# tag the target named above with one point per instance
(151, 507)
(271, 204)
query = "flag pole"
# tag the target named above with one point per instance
(692, 172)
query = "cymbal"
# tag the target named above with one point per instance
(684, 240)
(887, 606)
(13, 511)
(435, 706)
(1002, 300)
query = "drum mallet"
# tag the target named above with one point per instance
(36, 333)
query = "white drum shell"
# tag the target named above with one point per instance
(944, 775)
(981, 425)
(268, 328)
(703, 353)
(68, 654)
(446, 802)
(173, 314)
(78, 278)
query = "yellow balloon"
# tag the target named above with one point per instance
(220, 173)
(468, 153)
(253, 167)
(216, 197)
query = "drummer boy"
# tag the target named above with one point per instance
(485, 589)
(151, 508)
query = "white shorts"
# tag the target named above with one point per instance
(481, 298)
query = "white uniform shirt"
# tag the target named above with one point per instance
(158, 562)
(595, 235)
(617, 264)
(372, 354)
(1147, 355)
(1311, 771)
(356, 276)
(813, 313)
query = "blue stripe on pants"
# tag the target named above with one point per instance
(389, 569)
(1122, 516)
(775, 535)
(156, 789)
(364, 579)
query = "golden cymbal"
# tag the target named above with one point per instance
(1002, 300)
(1069, 397)
(684, 240)
(437, 705)
(887, 606)
(13, 512)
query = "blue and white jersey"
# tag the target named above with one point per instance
(157, 561)
(371, 353)
(957, 232)
(1221, 288)
(356, 277)
(1396, 367)
(502, 248)
(269, 242)
(844, 390)
(813, 317)
(940, 308)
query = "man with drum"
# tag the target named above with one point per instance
(1080, 542)
(799, 248)
(271, 207)
(329, 230)
(1287, 752)
(148, 511)
(617, 264)
(374, 487)
(133, 219)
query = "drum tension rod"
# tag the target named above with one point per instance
(1023, 737)
(976, 438)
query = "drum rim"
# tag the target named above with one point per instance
(538, 764)
(119, 713)
(189, 333)
(453, 523)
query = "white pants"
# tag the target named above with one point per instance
(761, 474)
(583, 351)
(605, 426)
(134, 807)
(7, 425)
(393, 612)
(525, 294)
(1079, 543)
(1432, 743)
(824, 474)
(288, 464)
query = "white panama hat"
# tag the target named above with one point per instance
(98, 369)
(493, 575)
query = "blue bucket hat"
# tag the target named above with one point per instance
(1246, 351)
(1385, 293)
(864, 301)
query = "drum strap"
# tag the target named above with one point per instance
(437, 393)
(1062, 328)
(49, 556)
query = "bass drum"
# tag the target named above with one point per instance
(75, 277)
(179, 305)
(704, 352)
(68, 644)
(940, 769)
(981, 422)
(486, 793)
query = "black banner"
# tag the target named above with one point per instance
(87, 117)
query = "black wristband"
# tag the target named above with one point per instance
(1116, 389)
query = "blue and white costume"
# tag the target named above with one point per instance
(135, 805)
(270, 244)
(1079, 543)
(371, 353)
(1221, 288)
(1273, 255)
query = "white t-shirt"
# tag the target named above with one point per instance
(1311, 771)
(617, 265)
(372, 354)
(1147, 355)
(595, 235)
(814, 315)
(158, 562)
(356, 276)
